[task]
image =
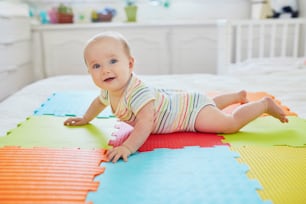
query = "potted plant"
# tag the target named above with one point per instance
(64, 14)
(131, 10)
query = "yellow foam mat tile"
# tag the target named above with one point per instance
(281, 170)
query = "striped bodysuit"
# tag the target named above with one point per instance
(175, 110)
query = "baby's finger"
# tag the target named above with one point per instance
(110, 155)
(125, 158)
(116, 157)
(72, 122)
(67, 122)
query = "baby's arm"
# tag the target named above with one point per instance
(142, 129)
(94, 109)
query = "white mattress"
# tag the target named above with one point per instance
(288, 86)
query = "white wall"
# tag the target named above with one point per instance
(302, 8)
(179, 10)
(191, 10)
(196, 10)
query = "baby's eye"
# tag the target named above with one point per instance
(113, 61)
(96, 66)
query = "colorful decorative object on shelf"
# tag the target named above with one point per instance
(52, 13)
(43, 16)
(131, 10)
(104, 15)
(64, 14)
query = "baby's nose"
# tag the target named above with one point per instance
(105, 70)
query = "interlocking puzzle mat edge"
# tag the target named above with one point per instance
(43, 175)
(280, 170)
(187, 175)
(70, 103)
(49, 131)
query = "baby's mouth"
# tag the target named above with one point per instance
(109, 79)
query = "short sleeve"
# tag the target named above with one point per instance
(140, 97)
(104, 97)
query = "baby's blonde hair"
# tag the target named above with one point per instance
(113, 35)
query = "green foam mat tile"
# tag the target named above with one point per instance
(269, 131)
(49, 131)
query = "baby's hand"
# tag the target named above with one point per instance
(75, 122)
(119, 152)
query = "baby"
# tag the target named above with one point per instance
(150, 110)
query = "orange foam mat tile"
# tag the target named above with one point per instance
(281, 171)
(42, 175)
(253, 96)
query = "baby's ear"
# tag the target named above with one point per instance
(131, 62)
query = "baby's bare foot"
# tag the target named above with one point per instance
(274, 110)
(242, 95)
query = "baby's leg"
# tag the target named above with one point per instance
(252, 110)
(211, 119)
(224, 100)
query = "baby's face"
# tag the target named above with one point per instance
(108, 64)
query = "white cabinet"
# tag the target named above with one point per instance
(15, 54)
(157, 48)
(14, 29)
(63, 52)
(150, 49)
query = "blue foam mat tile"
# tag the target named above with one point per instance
(73, 103)
(188, 175)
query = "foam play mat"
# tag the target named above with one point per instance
(49, 131)
(42, 175)
(269, 131)
(188, 175)
(281, 171)
(70, 104)
(43, 161)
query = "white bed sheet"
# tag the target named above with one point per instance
(287, 86)
(267, 65)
